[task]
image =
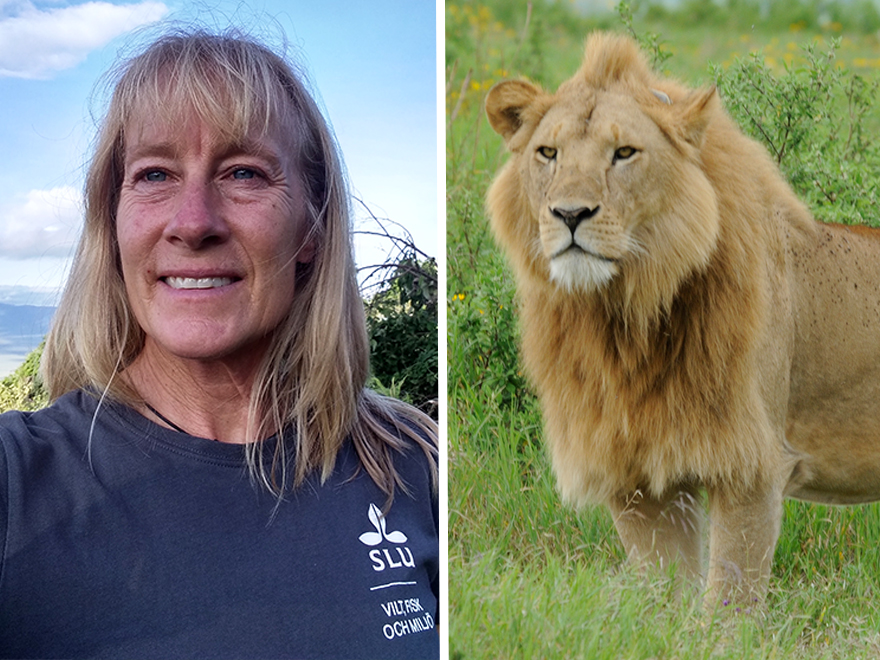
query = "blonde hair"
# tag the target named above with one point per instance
(312, 378)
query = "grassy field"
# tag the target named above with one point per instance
(529, 577)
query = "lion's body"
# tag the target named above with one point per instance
(833, 417)
(686, 323)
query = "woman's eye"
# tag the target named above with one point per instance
(547, 152)
(244, 173)
(623, 153)
(155, 176)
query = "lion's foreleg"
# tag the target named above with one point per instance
(742, 537)
(658, 532)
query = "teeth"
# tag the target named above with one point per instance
(197, 282)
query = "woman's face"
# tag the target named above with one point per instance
(209, 236)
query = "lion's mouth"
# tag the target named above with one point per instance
(574, 248)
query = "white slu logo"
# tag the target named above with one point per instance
(385, 558)
(375, 538)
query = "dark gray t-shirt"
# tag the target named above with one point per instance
(151, 543)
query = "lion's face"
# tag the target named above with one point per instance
(594, 177)
(612, 184)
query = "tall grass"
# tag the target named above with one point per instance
(530, 577)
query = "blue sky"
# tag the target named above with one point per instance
(373, 65)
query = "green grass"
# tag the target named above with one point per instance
(530, 577)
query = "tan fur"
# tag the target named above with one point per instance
(707, 335)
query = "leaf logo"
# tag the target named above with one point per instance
(375, 538)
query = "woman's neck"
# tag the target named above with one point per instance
(209, 399)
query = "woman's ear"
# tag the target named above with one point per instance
(308, 247)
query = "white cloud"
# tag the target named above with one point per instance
(45, 224)
(35, 43)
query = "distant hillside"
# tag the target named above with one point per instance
(28, 295)
(22, 328)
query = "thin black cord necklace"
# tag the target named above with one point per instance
(166, 420)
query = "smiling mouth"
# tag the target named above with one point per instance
(197, 282)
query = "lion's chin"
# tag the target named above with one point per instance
(576, 270)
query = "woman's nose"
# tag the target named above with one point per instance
(198, 220)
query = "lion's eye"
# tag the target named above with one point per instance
(623, 153)
(547, 152)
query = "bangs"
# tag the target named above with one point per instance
(238, 88)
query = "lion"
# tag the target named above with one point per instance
(688, 326)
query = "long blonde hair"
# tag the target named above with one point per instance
(312, 378)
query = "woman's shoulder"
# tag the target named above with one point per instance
(401, 418)
(70, 416)
(409, 432)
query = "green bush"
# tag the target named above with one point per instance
(819, 123)
(483, 348)
(23, 389)
(402, 322)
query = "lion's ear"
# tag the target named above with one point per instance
(699, 109)
(505, 105)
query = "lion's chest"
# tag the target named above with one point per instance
(620, 406)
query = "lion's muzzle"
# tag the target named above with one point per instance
(573, 217)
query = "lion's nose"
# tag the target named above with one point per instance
(573, 217)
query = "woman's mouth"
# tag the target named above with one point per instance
(197, 282)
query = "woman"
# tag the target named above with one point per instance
(211, 329)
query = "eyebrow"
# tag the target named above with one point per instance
(151, 150)
(170, 149)
(250, 147)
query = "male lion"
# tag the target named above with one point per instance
(686, 322)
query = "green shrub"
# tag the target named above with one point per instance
(402, 322)
(23, 389)
(483, 349)
(819, 123)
